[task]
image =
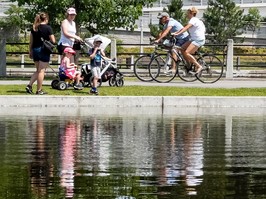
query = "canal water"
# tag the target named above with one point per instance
(186, 154)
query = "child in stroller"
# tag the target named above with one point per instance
(108, 68)
(68, 74)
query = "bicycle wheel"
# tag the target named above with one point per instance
(141, 68)
(212, 69)
(161, 68)
(183, 73)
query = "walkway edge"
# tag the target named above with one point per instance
(131, 101)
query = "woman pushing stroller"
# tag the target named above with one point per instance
(70, 69)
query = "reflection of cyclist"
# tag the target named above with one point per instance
(170, 26)
(196, 30)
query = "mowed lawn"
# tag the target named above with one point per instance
(106, 90)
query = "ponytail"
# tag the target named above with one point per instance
(41, 17)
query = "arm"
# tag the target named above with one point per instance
(92, 56)
(52, 38)
(68, 64)
(183, 29)
(30, 45)
(163, 34)
(103, 53)
(64, 27)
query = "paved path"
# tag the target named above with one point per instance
(223, 83)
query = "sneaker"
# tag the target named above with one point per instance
(199, 70)
(170, 72)
(40, 92)
(94, 92)
(78, 87)
(29, 89)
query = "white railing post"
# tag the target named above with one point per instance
(113, 49)
(59, 60)
(22, 61)
(132, 63)
(230, 60)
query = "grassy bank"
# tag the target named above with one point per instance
(140, 91)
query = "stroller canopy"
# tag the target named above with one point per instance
(106, 41)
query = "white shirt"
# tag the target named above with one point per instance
(72, 30)
(197, 30)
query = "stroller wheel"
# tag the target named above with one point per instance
(119, 82)
(112, 81)
(62, 86)
(85, 84)
(54, 83)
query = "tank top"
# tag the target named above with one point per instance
(65, 41)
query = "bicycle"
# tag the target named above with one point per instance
(161, 67)
(141, 65)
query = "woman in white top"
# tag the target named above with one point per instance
(196, 29)
(68, 31)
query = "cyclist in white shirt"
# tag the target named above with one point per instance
(196, 29)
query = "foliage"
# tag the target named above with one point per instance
(224, 20)
(253, 19)
(98, 16)
(175, 11)
(13, 24)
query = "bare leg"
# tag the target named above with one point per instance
(191, 49)
(77, 56)
(95, 81)
(41, 72)
(35, 74)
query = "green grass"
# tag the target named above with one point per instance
(140, 91)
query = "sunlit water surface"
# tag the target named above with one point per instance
(134, 156)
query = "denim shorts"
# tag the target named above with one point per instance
(198, 43)
(39, 55)
(180, 42)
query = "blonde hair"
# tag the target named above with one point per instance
(193, 11)
(41, 17)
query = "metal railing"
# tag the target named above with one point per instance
(18, 63)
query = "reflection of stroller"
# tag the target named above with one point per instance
(109, 70)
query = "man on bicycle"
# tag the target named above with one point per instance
(171, 25)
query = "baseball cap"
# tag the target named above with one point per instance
(163, 14)
(69, 50)
(71, 11)
(98, 39)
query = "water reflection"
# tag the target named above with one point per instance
(39, 165)
(68, 141)
(136, 156)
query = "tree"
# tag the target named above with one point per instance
(253, 19)
(224, 20)
(97, 16)
(13, 24)
(176, 12)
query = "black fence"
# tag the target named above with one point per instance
(251, 56)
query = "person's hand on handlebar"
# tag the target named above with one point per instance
(174, 33)
(78, 38)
